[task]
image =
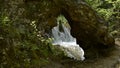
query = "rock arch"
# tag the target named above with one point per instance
(86, 25)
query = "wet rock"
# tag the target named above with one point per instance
(86, 26)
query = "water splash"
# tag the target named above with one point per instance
(62, 37)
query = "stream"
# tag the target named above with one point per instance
(64, 39)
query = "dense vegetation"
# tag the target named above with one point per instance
(22, 44)
(110, 10)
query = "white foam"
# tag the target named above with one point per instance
(67, 42)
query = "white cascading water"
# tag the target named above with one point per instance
(67, 42)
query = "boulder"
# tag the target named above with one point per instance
(86, 26)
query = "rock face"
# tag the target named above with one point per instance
(86, 26)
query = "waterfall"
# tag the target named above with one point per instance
(63, 38)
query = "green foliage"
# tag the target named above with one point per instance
(110, 10)
(62, 18)
(22, 45)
